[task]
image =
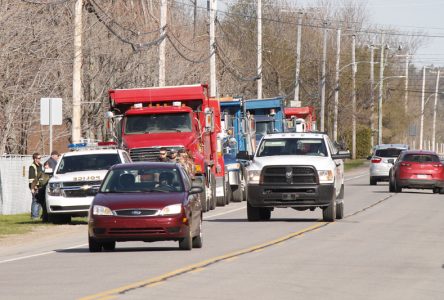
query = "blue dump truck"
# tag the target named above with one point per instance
(244, 122)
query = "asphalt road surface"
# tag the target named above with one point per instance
(388, 246)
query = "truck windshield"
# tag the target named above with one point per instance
(137, 179)
(262, 128)
(88, 162)
(293, 146)
(156, 123)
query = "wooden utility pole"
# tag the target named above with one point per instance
(338, 59)
(324, 61)
(259, 49)
(163, 24)
(213, 84)
(76, 76)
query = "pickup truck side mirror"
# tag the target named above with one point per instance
(342, 154)
(244, 155)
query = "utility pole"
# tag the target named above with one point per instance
(421, 126)
(163, 24)
(338, 57)
(259, 49)
(77, 70)
(354, 96)
(213, 84)
(372, 94)
(297, 102)
(406, 88)
(381, 83)
(324, 60)
(435, 107)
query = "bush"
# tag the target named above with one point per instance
(363, 141)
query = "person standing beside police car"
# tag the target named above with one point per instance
(34, 169)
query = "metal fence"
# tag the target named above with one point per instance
(15, 197)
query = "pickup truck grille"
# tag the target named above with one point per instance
(145, 154)
(284, 175)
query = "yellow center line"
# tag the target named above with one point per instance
(196, 267)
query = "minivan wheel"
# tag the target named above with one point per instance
(109, 246)
(198, 240)
(186, 242)
(94, 245)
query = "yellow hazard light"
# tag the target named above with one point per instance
(184, 220)
(198, 168)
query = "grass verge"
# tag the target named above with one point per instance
(22, 223)
(353, 163)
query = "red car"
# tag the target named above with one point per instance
(146, 202)
(417, 169)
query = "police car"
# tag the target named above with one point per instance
(77, 178)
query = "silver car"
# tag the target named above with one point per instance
(382, 160)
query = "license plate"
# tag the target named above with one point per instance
(422, 176)
(289, 196)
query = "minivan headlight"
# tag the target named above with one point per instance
(99, 210)
(174, 209)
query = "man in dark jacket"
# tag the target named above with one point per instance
(53, 159)
(34, 170)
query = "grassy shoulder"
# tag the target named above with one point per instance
(22, 223)
(350, 164)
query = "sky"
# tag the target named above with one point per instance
(414, 16)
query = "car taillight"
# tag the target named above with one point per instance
(376, 160)
(405, 164)
(437, 165)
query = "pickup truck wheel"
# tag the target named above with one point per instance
(238, 195)
(373, 181)
(109, 246)
(253, 213)
(329, 212)
(265, 214)
(223, 200)
(94, 245)
(186, 243)
(198, 240)
(340, 210)
(341, 192)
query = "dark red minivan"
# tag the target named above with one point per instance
(417, 169)
(148, 202)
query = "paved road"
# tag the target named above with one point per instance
(389, 246)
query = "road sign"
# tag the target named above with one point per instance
(51, 111)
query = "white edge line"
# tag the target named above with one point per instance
(39, 254)
(224, 213)
(359, 176)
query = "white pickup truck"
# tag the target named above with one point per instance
(298, 170)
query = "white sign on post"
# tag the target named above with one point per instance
(51, 114)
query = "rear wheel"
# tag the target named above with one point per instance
(253, 213)
(441, 191)
(109, 246)
(186, 243)
(398, 188)
(213, 192)
(373, 180)
(329, 212)
(203, 199)
(436, 190)
(223, 200)
(391, 185)
(340, 210)
(238, 195)
(94, 245)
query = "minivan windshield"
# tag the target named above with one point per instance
(293, 146)
(136, 179)
(88, 162)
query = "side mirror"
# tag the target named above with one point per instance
(391, 161)
(195, 190)
(244, 155)
(342, 154)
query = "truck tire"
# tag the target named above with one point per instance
(341, 192)
(238, 195)
(340, 210)
(228, 193)
(186, 243)
(253, 213)
(329, 212)
(203, 199)
(213, 192)
(222, 200)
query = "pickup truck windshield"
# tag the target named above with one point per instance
(89, 162)
(293, 146)
(136, 180)
(157, 123)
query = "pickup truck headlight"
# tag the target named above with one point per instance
(326, 176)
(254, 176)
(54, 189)
(232, 167)
(99, 210)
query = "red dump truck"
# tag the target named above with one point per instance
(175, 117)
(300, 119)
